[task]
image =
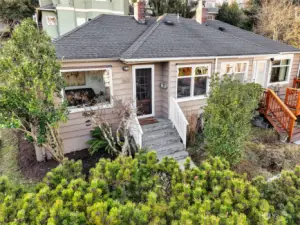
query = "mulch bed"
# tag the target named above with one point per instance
(35, 171)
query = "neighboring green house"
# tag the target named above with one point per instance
(58, 17)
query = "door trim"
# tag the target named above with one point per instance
(151, 66)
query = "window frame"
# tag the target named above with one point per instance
(193, 66)
(282, 57)
(235, 63)
(95, 107)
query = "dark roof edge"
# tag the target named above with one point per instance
(76, 28)
(142, 38)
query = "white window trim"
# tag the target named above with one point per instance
(99, 106)
(150, 66)
(298, 73)
(191, 98)
(236, 62)
(281, 57)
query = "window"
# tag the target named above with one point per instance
(280, 70)
(192, 81)
(87, 87)
(237, 69)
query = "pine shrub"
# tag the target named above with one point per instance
(137, 191)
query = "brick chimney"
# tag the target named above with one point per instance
(139, 11)
(201, 13)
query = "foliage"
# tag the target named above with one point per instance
(283, 194)
(116, 139)
(232, 14)
(227, 116)
(98, 142)
(13, 11)
(181, 7)
(277, 19)
(138, 191)
(251, 11)
(29, 82)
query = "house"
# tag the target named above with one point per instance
(164, 64)
(58, 17)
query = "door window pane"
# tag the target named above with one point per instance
(184, 71)
(144, 91)
(184, 87)
(200, 86)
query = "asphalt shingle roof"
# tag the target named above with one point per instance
(112, 36)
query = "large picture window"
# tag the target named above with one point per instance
(280, 70)
(192, 81)
(87, 88)
(237, 69)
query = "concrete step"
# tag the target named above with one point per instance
(166, 140)
(177, 155)
(153, 135)
(162, 124)
(170, 149)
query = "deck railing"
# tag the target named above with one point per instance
(280, 112)
(136, 131)
(292, 100)
(178, 119)
(296, 83)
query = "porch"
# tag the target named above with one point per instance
(282, 110)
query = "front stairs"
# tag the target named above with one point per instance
(163, 138)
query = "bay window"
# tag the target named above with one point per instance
(238, 70)
(280, 70)
(87, 88)
(192, 81)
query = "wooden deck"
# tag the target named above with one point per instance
(282, 111)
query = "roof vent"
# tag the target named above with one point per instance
(221, 28)
(169, 22)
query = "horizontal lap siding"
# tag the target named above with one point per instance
(76, 132)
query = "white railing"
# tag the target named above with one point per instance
(178, 119)
(136, 131)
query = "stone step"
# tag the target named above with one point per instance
(162, 124)
(159, 134)
(157, 143)
(177, 155)
(170, 149)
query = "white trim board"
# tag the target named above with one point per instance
(152, 67)
(89, 10)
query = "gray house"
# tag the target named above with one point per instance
(58, 17)
(164, 64)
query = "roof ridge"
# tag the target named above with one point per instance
(231, 35)
(77, 28)
(142, 38)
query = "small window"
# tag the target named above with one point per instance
(280, 70)
(80, 21)
(237, 70)
(87, 87)
(193, 81)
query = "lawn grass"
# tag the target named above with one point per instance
(9, 151)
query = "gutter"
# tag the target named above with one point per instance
(193, 58)
(89, 60)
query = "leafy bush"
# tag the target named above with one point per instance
(227, 116)
(283, 194)
(137, 191)
(98, 142)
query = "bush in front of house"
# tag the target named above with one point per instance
(228, 115)
(137, 191)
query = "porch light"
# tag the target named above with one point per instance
(125, 68)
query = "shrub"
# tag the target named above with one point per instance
(227, 116)
(137, 191)
(98, 142)
(283, 194)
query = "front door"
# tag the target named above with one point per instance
(144, 91)
(260, 72)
